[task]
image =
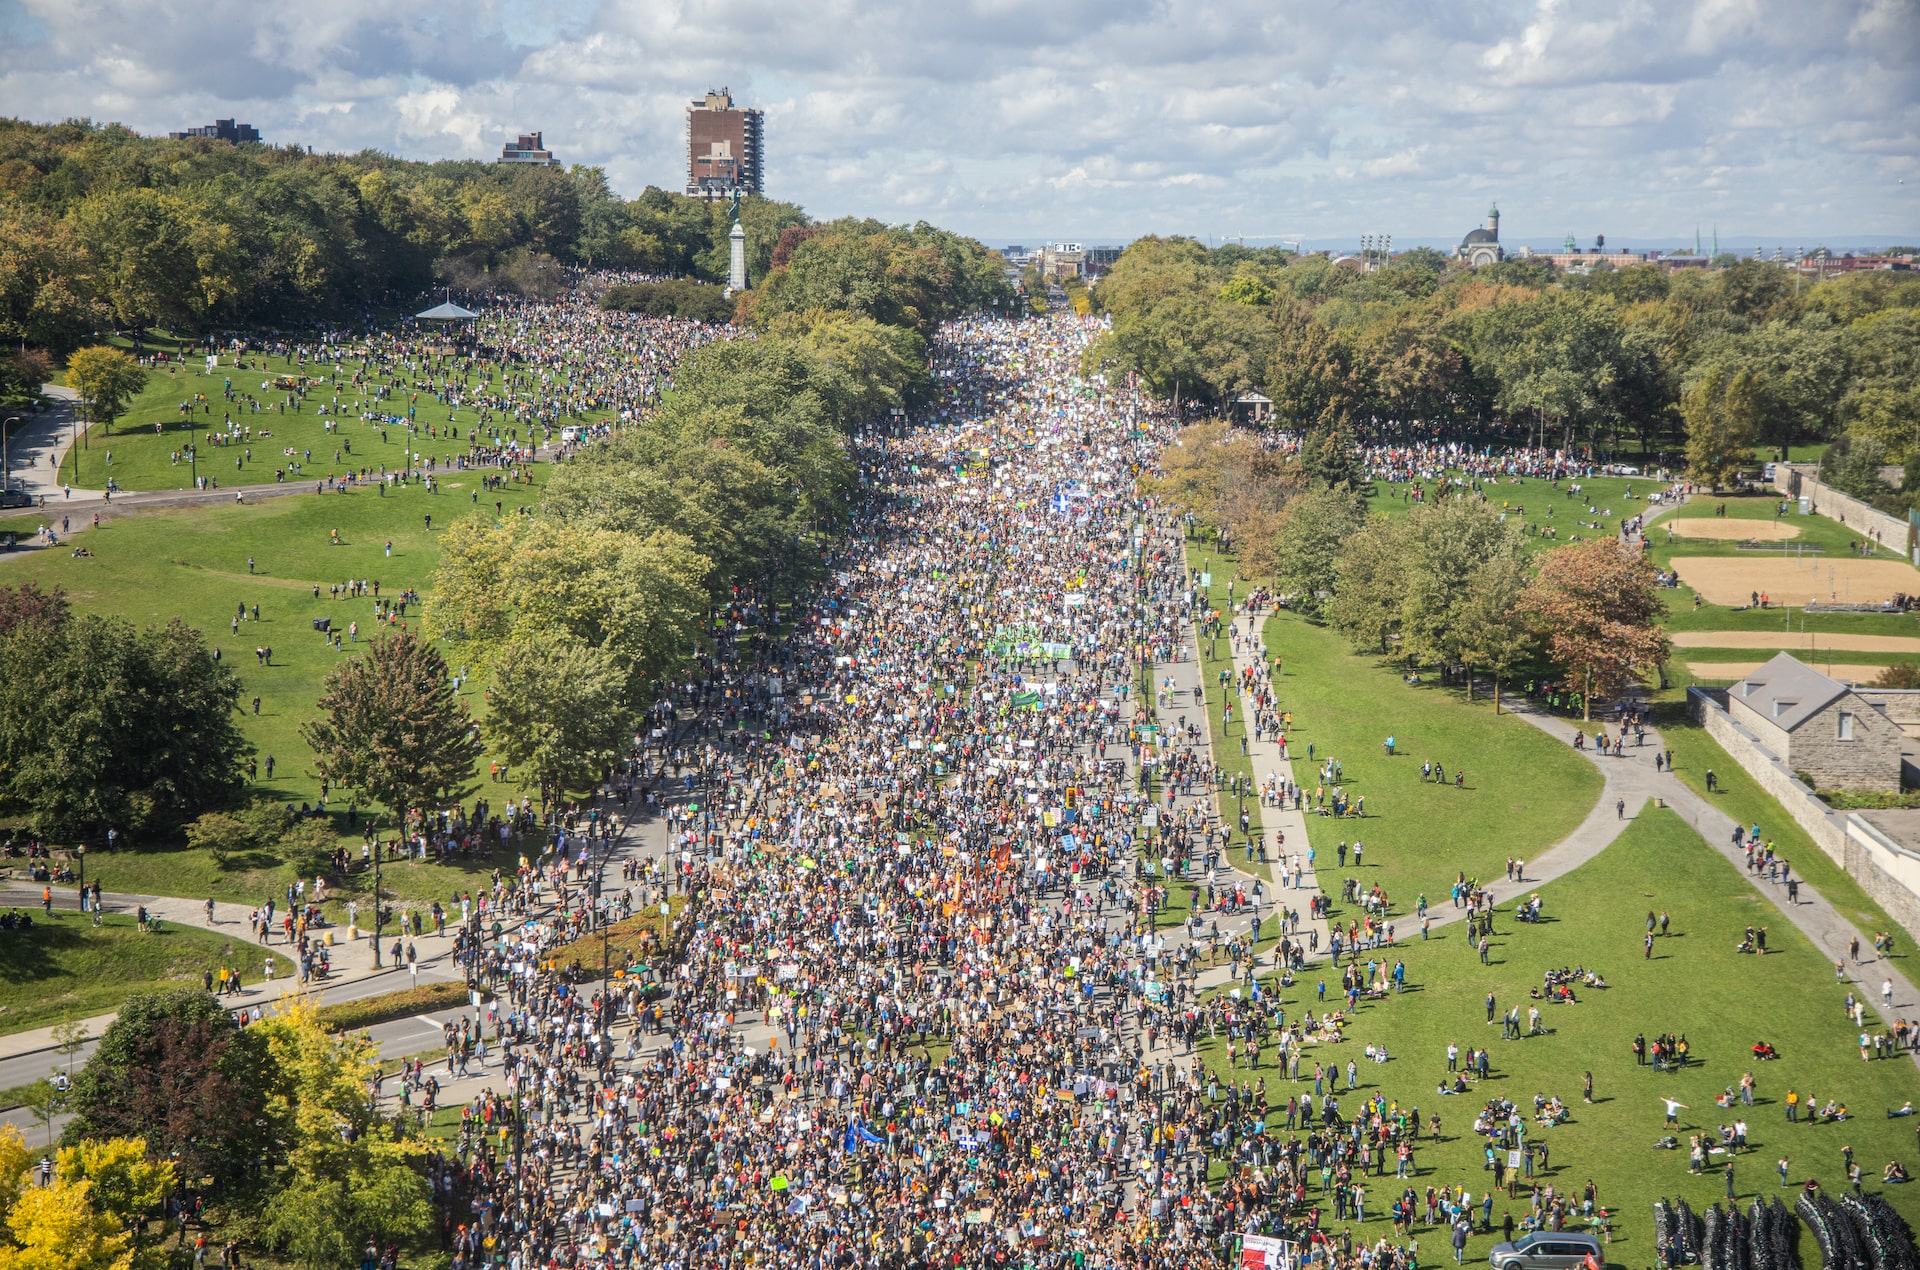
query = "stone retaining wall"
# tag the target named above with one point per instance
(1885, 871)
(1848, 510)
(1709, 710)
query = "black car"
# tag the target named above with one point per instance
(15, 498)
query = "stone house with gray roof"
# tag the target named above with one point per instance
(1818, 725)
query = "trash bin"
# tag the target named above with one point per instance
(323, 624)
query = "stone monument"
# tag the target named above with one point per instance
(737, 268)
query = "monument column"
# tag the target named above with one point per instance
(737, 270)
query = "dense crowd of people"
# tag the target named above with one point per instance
(924, 1007)
(485, 394)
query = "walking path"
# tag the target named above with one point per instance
(36, 450)
(230, 920)
(1631, 781)
(1285, 826)
(1812, 913)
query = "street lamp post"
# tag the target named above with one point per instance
(193, 463)
(378, 851)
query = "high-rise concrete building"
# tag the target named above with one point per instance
(723, 147)
(528, 148)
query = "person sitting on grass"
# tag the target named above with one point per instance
(1894, 1172)
(1905, 1109)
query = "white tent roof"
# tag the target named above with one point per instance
(447, 312)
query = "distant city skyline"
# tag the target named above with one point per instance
(1788, 121)
(1347, 243)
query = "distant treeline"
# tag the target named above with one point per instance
(100, 226)
(1423, 348)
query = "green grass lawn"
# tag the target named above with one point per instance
(1740, 797)
(1540, 506)
(192, 563)
(65, 968)
(1524, 791)
(1795, 453)
(147, 441)
(257, 876)
(1696, 984)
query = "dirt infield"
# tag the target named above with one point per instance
(1796, 643)
(1733, 530)
(1728, 671)
(1731, 580)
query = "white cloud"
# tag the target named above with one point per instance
(1092, 118)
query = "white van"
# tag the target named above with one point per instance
(570, 435)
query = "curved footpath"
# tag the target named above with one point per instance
(352, 963)
(1629, 778)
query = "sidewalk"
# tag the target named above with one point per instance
(352, 962)
(1813, 915)
(1286, 827)
(36, 451)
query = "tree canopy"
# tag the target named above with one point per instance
(106, 725)
(99, 226)
(176, 1069)
(1422, 347)
(392, 728)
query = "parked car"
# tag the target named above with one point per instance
(1546, 1250)
(15, 498)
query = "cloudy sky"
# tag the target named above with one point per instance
(1795, 121)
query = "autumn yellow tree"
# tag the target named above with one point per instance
(123, 1182)
(352, 1175)
(59, 1227)
(15, 1159)
(106, 379)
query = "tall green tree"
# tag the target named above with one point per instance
(105, 725)
(1309, 377)
(393, 729)
(174, 1068)
(1496, 632)
(1444, 545)
(1371, 578)
(1313, 530)
(1722, 415)
(561, 709)
(106, 379)
(1330, 459)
